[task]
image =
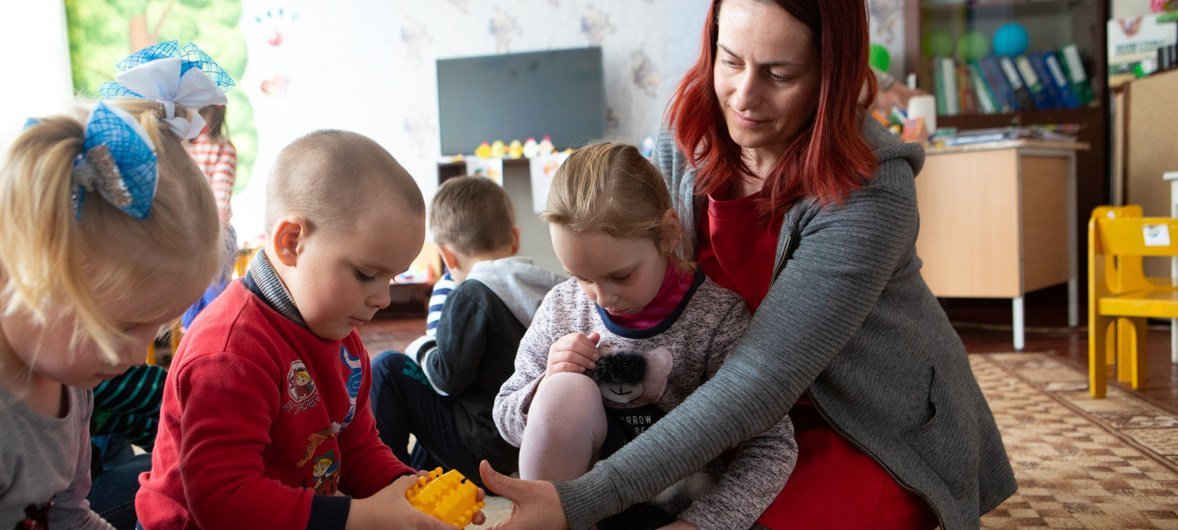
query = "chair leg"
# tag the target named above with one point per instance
(1099, 337)
(1126, 337)
(1138, 355)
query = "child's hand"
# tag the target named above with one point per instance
(389, 508)
(575, 352)
(679, 524)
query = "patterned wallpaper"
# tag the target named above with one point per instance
(369, 66)
(887, 29)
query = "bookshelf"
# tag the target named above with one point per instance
(935, 28)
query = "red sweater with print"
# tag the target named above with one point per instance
(259, 417)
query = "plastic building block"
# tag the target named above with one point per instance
(448, 497)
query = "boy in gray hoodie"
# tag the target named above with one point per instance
(444, 391)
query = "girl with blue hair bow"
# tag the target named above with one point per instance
(107, 231)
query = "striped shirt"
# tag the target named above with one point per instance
(130, 404)
(217, 159)
(437, 299)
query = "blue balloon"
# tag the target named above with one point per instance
(1011, 40)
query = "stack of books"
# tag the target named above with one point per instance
(949, 137)
(1051, 79)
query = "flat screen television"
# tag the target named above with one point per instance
(559, 93)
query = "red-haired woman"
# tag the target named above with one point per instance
(808, 210)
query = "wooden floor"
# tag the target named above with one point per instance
(984, 326)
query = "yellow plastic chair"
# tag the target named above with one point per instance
(1119, 292)
(174, 343)
(241, 262)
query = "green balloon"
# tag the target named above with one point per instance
(879, 58)
(973, 46)
(938, 43)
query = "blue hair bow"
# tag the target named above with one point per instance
(172, 74)
(118, 161)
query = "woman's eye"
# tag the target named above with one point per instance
(621, 278)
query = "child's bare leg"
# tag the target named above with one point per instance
(565, 430)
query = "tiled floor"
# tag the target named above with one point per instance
(984, 326)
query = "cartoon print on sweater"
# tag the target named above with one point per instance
(355, 378)
(315, 439)
(326, 473)
(300, 387)
(630, 379)
(36, 517)
(631, 383)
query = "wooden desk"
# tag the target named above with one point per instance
(998, 220)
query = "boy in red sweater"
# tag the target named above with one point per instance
(266, 421)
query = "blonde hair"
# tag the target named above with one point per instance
(324, 174)
(610, 187)
(472, 214)
(51, 253)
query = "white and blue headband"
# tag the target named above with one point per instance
(118, 158)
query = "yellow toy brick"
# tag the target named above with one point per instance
(448, 497)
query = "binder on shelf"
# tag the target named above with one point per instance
(1074, 70)
(1025, 101)
(1003, 93)
(987, 103)
(1056, 76)
(945, 80)
(1039, 64)
(1034, 86)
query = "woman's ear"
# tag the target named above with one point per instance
(286, 240)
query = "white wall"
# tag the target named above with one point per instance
(369, 66)
(35, 63)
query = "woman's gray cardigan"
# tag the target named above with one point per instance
(848, 317)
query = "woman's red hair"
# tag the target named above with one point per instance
(829, 156)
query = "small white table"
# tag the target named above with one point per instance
(1172, 178)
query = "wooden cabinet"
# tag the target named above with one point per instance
(996, 222)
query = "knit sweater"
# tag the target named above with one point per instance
(699, 334)
(848, 317)
(45, 460)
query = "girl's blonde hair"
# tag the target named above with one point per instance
(52, 258)
(610, 187)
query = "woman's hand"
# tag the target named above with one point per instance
(575, 352)
(534, 503)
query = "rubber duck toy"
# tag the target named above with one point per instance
(546, 147)
(515, 149)
(498, 149)
(483, 151)
(531, 148)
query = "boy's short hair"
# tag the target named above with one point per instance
(324, 175)
(472, 215)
